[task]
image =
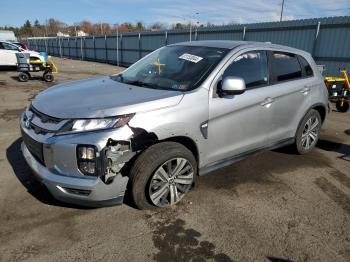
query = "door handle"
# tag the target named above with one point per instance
(267, 102)
(305, 90)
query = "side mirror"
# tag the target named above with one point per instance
(231, 85)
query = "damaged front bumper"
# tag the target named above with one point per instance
(58, 169)
(78, 190)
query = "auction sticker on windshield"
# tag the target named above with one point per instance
(191, 58)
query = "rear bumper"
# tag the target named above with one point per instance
(78, 190)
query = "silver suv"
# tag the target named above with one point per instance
(184, 110)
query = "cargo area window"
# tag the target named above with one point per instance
(252, 67)
(286, 66)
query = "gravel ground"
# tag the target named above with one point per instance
(272, 206)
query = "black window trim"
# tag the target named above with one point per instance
(271, 74)
(303, 69)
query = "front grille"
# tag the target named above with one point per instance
(43, 117)
(39, 130)
(34, 147)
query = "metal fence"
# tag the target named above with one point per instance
(327, 39)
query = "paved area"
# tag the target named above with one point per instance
(272, 206)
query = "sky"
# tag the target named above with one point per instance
(14, 13)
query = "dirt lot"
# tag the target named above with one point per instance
(272, 206)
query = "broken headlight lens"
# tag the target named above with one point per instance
(81, 125)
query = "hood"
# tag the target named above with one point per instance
(101, 97)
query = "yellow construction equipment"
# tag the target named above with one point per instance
(339, 90)
(27, 64)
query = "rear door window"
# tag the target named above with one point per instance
(252, 67)
(306, 67)
(286, 66)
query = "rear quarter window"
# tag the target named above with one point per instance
(286, 66)
(306, 67)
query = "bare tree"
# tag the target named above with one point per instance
(157, 26)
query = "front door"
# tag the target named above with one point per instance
(241, 123)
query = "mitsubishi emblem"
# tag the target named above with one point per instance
(27, 121)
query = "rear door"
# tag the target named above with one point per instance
(240, 123)
(290, 91)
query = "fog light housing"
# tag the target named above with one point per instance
(86, 157)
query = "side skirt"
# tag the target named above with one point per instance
(230, 160)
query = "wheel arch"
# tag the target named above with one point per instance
(149, 139)
(321, 109)
(187, 142)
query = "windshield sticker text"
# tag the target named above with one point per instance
(191, 58)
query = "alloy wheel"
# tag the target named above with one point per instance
(170, 182)
(310, 133)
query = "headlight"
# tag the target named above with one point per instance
(92, 124)
(83, 125)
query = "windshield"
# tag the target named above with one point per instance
(9, 46)
(173, 67)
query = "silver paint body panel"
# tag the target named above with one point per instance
(236, 124)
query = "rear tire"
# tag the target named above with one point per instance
(308, 132)
(342, 107)
(150, 188)
(23, 77)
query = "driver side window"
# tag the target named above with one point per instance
(252, 67)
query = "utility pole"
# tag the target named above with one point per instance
(46, 36)
(117, 25)
(185, 18)
(191, 26)
(282, 10)
(101, 28)
(190, 30)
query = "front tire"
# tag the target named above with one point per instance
(308, 132)
(162, 175)
(23, 76)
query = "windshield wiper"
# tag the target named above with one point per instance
(118, 78)
(144, 84)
